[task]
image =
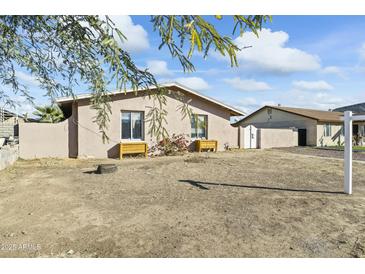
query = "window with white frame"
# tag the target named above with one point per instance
(199, 126)
(327, 130)
(132, 125)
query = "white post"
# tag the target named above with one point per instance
(348, 153)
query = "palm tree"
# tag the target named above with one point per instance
(49, 114)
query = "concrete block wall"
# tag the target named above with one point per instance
(7, 130)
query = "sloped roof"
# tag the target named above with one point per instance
(8, 113)
(319, 115)
(234, 111)
(357, 108)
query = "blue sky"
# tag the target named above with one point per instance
(302, 61)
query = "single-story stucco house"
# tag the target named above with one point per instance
(79, 136)
(315, 127)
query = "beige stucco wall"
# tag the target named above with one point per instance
(335, 139)
(277, 137)
(39, 140)
(282, 119)
(90, 143)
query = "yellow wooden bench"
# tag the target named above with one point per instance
(206, 144)
(133, 148)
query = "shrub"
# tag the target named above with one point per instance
(174, 145)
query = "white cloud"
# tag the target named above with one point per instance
(22, 105)
(298, 98)
(137, 36)
(247, 104)
(25, 108)
(269, 53)
(362, 51)
(319, 100)
(27, 78)
(312, 85)
(247, 84)
(250, 101)
(334, 70)
(250, 104)
(158, 68)
(213, 71)
(193, 82)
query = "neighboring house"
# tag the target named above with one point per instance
(358, 128)
(79, 135)
(315, 127)
(356, 108)
(9, 123)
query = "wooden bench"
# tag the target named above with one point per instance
(206, 144)
(133, 148)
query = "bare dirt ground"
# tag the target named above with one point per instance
(235, 204)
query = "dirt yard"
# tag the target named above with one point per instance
(267, 203)
(323, 152)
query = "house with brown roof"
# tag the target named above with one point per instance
(315, 127)
(79, 136)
